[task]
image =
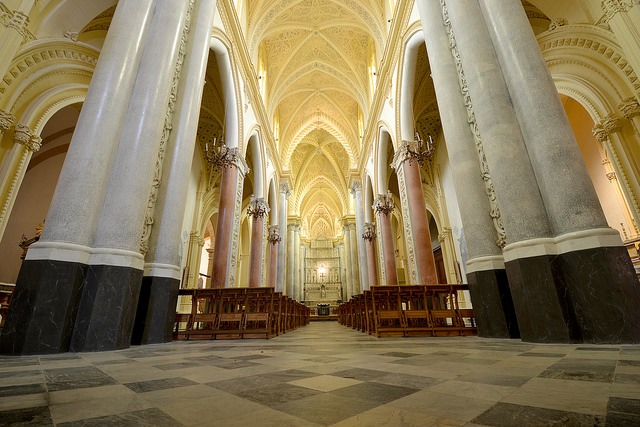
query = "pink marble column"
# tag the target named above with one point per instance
(368, 235)
(224, 230)
(424, 261)
(383, 206)
(258, 209)
(274, 240)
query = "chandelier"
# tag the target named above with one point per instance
(369, 231)
(419, 150)
(384, 203)
(257, 207)
(274, 235)
(218, 155)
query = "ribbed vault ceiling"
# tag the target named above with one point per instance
(314, 61)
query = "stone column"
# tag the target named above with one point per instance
(534, 284)
(369, 235)
(290, 259)
(162, 274)
(481, 219)
(348, 258)
(109, 301)
(224, 265)
(281, 281)
(383, 206)
(296, 263)
(586, 250)
(26, 142)
(210, 251)
(623, 16)
(343, 272)
(51, 278)
(356, 190)
(274, 248)
(422, 265)
(355, 270)
(258, 210)
(14, 33)
(606, 131)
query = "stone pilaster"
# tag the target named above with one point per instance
(623, 17)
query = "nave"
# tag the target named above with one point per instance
(327, 374)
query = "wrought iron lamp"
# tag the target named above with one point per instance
(257, 207)
(218, 155)
(420, 150)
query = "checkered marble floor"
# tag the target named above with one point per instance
(327, 374)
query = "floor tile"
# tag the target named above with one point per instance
(153, 385)
(72, 378)
(38, 416)
(277, 394)
(325, 408)
(505, 414)
(147, 417)
(325, 382)
(374, 392)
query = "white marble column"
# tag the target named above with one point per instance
(76, 204)
(551, 144)
(164, 219)
(113, 285)
(14, 32)
(356, 191)
(281, 281)
(356, 288)
(14, 167)
(290, 259)
(623, 17)
(296, 263)
(483, 231)
(348, 258)
(43, 310)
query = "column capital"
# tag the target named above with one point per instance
(612, 7)
(605, 127)
(285, 189)
(25, 136)
(6, 120)
(383, 203)
(356, 186)
(629, 108)
(416, 150)
(257, 207)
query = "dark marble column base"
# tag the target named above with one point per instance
(43, 308)
(156, 310)
(604, 293)
(107, 309)
(541, 301)
(492, 304)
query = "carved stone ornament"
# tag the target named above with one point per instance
(600, 134)
(383, 203)
(355, 187)
(557, 23)
(6, 120)
(284, 188)
(611, 124)
(629, 108)
(613, 7)
(25, 136)
(71, 35)
(611, 176)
